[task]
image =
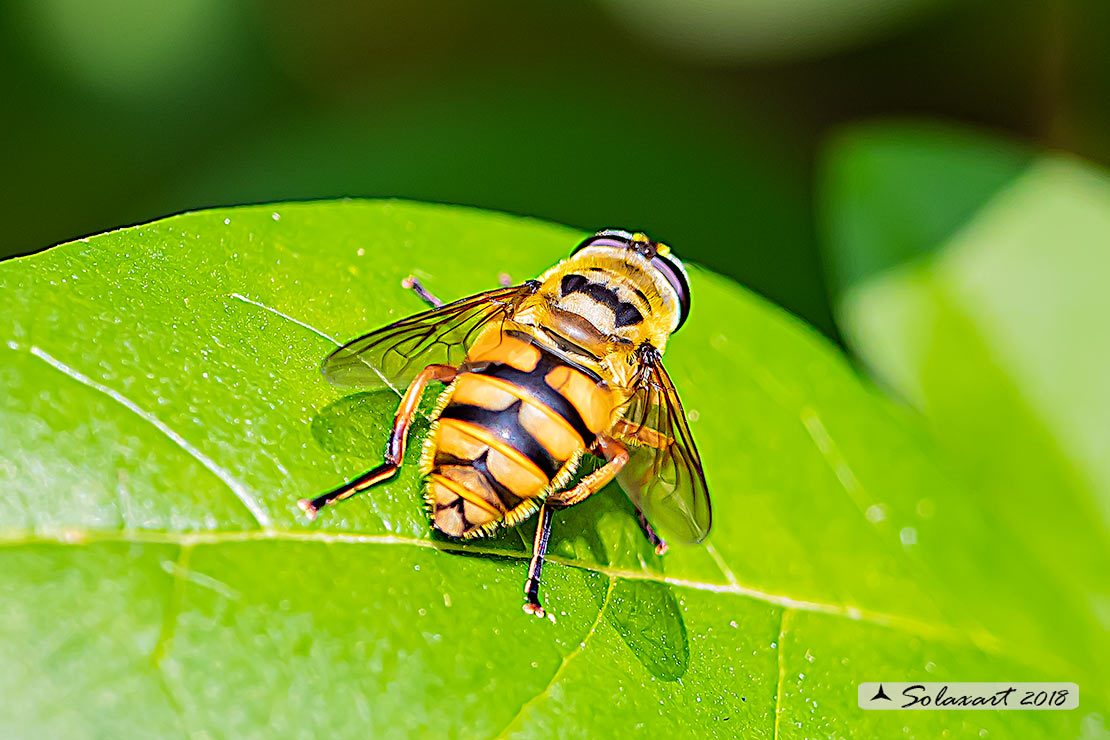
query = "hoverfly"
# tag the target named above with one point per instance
(537, 376)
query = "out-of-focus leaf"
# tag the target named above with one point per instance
(893, 192)
(130, 48)
(163, 411)
(973, 282)
(729, 31)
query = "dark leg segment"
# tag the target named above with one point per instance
(416, 287)
(348, 489)
(645, 436)
(394, 448)
(535, 568)
(656, 541)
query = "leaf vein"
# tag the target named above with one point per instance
(71, 536)
(834, 458)
(725, 570)
(314, 330)
(287, 317)
(260, 515)
(565, 662)
(171, 683)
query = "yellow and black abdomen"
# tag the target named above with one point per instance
(510, 429)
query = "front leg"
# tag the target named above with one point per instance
(656, 541)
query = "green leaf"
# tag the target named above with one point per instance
(975, 288)
(164, 410)
(894, 191)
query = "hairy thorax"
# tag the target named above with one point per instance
(598, 313)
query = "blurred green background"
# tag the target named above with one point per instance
(702, 126)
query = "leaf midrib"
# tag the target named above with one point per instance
(980, 639)
(76, 537)
(909, 625)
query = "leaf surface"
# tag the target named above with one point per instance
(164, 410)
(992, 324)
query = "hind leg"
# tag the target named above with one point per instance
(535, 567)
(394, 448)
(617, 455)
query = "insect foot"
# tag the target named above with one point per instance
(309, 510)
(535, 610)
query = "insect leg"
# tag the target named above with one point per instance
(535, 567)
(617, 456)
(394, 448)
(417, 287)
(650, 438)
(643, 435)
(656, 541)
(615, 453)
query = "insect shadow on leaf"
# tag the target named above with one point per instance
(644, 613)
(356, 424)
(602, 529)
(648, 618)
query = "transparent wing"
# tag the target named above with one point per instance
(663, 476)
(393, 355)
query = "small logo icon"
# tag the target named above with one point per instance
(880, 694)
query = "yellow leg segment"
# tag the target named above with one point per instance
(616, 455)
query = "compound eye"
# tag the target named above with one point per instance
(676, 276)
(612, 239)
